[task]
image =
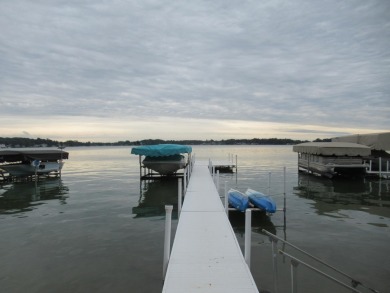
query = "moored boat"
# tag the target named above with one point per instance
(165, 165)
(165, 159)
(238, 200)
(23, 163)
(332, 159)
(261, 201)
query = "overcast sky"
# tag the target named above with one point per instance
(100, 70)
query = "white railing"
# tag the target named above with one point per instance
(380, 173)
(295, 262)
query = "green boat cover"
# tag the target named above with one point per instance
(160, 150)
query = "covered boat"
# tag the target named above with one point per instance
(165, 165)
(238, 200)
(165, 159)
(22, 163)
(261, 201)
(332, 159)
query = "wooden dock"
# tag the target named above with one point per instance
(206, 256)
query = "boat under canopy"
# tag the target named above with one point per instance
(160, 150)
(332, 159)
(333, 149)
(10, 156)
(164, 159)
(23, 163)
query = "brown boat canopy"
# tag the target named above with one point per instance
(376, 141)
(333, 149)
(29, 155)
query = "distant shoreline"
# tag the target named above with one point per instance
(21, 142)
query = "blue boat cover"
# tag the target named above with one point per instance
(261, 200)
(160, 150)
(238, 200)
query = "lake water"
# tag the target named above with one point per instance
(99, 229)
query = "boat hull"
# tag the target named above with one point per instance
(238, 200)
(165, 165)
(22, 170)
(261, 201)
(330, 170)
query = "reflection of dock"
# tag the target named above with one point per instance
(154, 195)
(259, 222)
(332, 195)
(21, 196)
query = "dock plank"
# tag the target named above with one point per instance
(206, 256)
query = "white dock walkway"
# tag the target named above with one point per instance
(206, 256)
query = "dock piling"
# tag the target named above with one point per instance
(269, 183)
(284, 197)
(248, 236)
(275, 262)
(180, 196)
(167, 238)
(226, 199)
(217, 181)
(185, 182)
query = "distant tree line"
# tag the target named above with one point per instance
(27, 142)
(14, 142)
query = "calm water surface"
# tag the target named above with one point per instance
(99, 229)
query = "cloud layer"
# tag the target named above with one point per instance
(201, 64)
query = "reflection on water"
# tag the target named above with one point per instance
(19, 197)
(95, 244)
(154, 195)
(260, 221)
(372, 196)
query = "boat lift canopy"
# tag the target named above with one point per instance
(22, 155)
(332, 149)
(376, 141)
(161, 150)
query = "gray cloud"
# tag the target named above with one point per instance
(310, 62)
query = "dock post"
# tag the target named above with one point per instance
(180, 197)
(188, 173)
(217, 181)
(167, 239)
(269, 183)
(226, 200)
(140, 167)
(275, 262)
(294, 267)
(185, 181)
(248, 236)
(380, 167)
(284, 197)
